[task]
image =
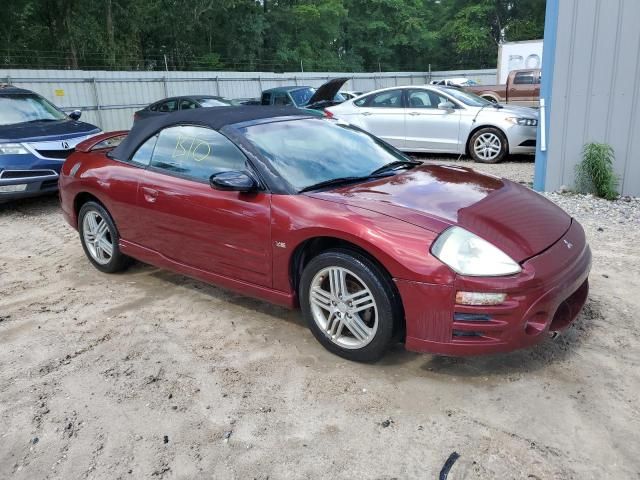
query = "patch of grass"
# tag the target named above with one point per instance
(595, 173)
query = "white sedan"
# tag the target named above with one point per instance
(442, 120)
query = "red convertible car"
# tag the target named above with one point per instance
(304, 211)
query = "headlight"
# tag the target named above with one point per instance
(468, 254)
(12, 149)
(525, 122)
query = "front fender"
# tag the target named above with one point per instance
(401, 248)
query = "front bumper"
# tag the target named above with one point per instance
(16, 184)
(546, 296)
(522, 140)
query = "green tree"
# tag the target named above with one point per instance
(271, 35)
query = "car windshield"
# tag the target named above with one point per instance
(467, 98)
(20, 108)
(213, 102)
(302, 95)
(313, 150)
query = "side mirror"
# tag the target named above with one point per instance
(233, 181)
(75, 115)
(446, 106)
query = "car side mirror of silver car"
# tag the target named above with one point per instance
(75, 115)
(446, 106)
(233, 181)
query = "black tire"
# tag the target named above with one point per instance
(387, 300)
(504, 145)
(118, 260)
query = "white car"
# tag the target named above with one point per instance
(349, 94)
(455, 82)
(442, 120)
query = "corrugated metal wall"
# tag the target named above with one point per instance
(109, 99)
(596, 89)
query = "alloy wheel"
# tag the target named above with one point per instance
(343, 307)
(487, 146)
(97, 237)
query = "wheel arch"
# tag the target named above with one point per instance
(83, 197)
(480, 127)
(314, 246)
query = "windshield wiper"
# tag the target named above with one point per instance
(334, 182)
(43, 120)
(396, 165)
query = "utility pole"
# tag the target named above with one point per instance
(301, 67)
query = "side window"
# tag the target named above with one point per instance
(196, 152)
(145, 151)
(281, 98)
(419, 99)
(266, 98)
(524, 78)
(168, 106)
(362, 101)
(387, 99)
(424, 99)
(186, 104)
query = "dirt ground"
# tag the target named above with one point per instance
(148, 374)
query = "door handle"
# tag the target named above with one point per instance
(150, 194)
(414, 113)
(366, 114)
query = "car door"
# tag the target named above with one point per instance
(383, 115)
(524, 90)
(186, 220)
(429, 128)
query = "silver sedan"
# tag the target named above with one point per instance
(442, 120)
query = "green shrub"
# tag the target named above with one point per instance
(595, 173)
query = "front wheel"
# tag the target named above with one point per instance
(488, 145)
(350, 305)
(99, 238)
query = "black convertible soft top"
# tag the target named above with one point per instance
(215, 118)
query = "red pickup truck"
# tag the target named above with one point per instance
(522, 88)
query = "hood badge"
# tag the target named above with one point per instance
(568, 244)
(65, 145)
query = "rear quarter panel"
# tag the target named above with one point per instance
(113, 183)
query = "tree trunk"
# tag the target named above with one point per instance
(110, 34)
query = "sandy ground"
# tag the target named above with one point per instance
(148, 374)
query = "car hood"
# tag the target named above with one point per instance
(20, 132)
(514, 218)
(513, 110)
(327, 91)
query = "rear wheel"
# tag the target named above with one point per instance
(99, 238)
(488, 145)
(350, 305)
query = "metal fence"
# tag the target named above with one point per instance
(109, 99)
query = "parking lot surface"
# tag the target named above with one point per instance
(148, 374)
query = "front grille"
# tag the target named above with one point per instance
(470, 317)
(48, 184)
(56, 153)
(9, 174)
(464, 333)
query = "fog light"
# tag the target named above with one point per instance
(13, 188)
(478, 298)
